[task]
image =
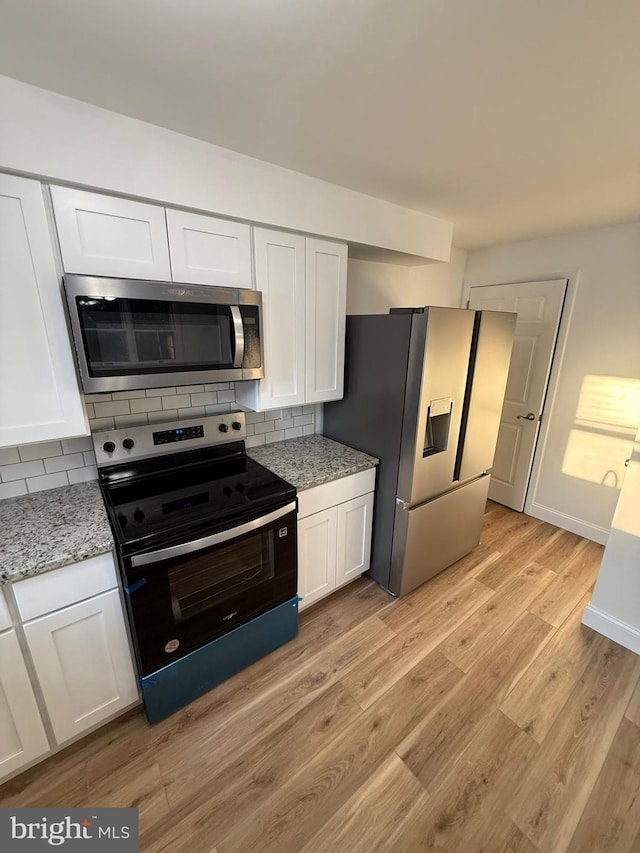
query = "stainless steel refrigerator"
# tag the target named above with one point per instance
(424, 389)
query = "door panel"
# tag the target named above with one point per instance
(317, 555)
(354, 538)
(430, 442)
(432, 536)
(22, 735)
(539, 307)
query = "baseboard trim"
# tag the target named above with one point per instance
(569, 522)
(620, 632)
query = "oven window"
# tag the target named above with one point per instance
(133, 336)
(205, 581)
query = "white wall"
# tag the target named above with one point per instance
(600, 335)
(373, 288)
(65, 140)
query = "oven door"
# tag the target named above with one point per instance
(142, 334)
(183, 596)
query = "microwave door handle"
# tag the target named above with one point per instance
(214, 539)
(238, 334)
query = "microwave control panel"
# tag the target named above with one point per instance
(114, 446)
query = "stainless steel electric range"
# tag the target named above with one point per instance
(206, 544)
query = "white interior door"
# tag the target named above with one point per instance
(538, 305)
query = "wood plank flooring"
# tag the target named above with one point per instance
(475, 715)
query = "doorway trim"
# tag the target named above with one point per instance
(532, 506)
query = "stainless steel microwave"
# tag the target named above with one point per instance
(149, 334)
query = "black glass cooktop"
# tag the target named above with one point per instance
(160, 501)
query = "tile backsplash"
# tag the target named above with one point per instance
(47, 465)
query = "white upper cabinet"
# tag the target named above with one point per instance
(106, 235)
(39, 394)
(303, 282)
(326, 314)
(280, 273)
(206, 250)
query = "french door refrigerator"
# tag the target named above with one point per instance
(424, 389)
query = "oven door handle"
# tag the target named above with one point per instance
(214, 539)
(238, 334)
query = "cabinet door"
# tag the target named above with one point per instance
(316, 556)
(354, 538)
(325, 320)
(22, 735)
(206, 250)
(39, 394)
(83, 663)
(103, 235)
(280, 275)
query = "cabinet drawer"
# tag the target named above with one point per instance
(62, 587)
(335, 492)
(5, 617)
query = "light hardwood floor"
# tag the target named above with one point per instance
(476, 714)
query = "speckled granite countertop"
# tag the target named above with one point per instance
(50, 529)
(311, 460)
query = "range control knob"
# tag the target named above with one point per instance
(122, 519)
(109, 446)
(223, 428)
(227, 491)
(236, 425)
(138, 515)
(128, 443)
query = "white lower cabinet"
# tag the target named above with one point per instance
(22, 734)
(334, 535)
(80, 671)
(83, 663)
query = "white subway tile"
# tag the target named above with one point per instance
(226, 396)
(189, 389)
(180, 401)
(217, 386)
(166, 415)
(90, 410)
(97, 398)
(218, 409)
(296, 410)
(250, 429)
(273, 414)
(9, 455)
(126, 421)
(255, 440)
(309, 409)
(41, 450)
(308, 430)
(21, 470)
(286, 414)
(77, 445)
(115, 407)
(159, 392)
(296, 432)
(303, 420)
(13, 490)
(265, 426)
(285, 424)
(128, 395)
(191, 412)
(89, 458)
(64, 463)
(254, 417)
(49, 481)
(98, 424)
(208, 398)
(278, 435)
(148, 404)
(83, 475)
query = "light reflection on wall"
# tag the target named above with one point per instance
(607, 416)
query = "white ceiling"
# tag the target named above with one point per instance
(511, 118)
